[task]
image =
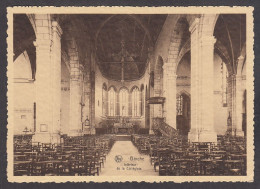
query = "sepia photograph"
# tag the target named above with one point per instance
(130, 94)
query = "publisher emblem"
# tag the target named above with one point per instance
(118, 158)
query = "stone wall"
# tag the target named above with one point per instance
(220, 110)
(24, 95)
(65, 98)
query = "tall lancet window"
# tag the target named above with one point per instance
(179, 105)
(224, 83)
(142, 102)
(112, 102)
(135, 102)
(123, 100)
(104, 100)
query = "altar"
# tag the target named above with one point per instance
(123, 128)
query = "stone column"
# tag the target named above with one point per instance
(206, 131)
(236, 101)
(43, 92)
(229, 102)
(202, 88)
(93, 101)
(233, 103)
(75, 97)
(56, 79)
(48, 89)
(171, 95)
(239, 108)
(87, 91)
(193, 134)
(165, 92)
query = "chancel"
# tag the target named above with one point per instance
(120, 94)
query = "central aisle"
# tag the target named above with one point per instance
(124, 159)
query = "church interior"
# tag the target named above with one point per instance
(157, 94)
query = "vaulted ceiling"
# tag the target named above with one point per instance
(127, 38)
(114, 39)
(101, 35)
(124, 38)
(137, 33)
(230, 31)
(23, 39)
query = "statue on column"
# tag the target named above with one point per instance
(229, 125)
(86, 124)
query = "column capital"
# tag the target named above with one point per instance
(42, 44)
(171, 76)
(56, 27)
(35, 43)
(208, 40)
(239, 77)
(168, 65)
(232, 76)
(240, 58)
(165, 66)
(170, 71)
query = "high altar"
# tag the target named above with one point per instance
(124, 126)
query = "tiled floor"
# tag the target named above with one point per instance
(124, 159)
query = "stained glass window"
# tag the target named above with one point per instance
(180, 105)
(111, 102)
(135, 102)
(123, 100)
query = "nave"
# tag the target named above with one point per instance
(136, 155)
(133, 163)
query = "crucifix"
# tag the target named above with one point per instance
(26, 130)
(123, 57)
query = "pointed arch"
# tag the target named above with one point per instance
(104, 86)
(183, 92)
(134, 87)
(158, 76)
(31, 18)
(242, 60)
(208, 23)
(179, 40)
(112, 86)
(22, 67)
(123, 88)
(23, 39)
(184, 50)
(104, 99)
(112, 99)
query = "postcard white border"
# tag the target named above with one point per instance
(135, 10)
